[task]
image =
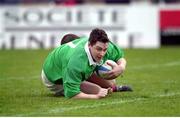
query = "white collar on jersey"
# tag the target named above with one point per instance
(91, 61)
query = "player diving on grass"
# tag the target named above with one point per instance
(69, 69)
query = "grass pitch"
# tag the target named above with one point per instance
(154, 75)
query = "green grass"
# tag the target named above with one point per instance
(154, 75)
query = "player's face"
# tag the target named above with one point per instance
(98, 50)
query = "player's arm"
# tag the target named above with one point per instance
(85, 96)
(72, 85)
(117, 70)
(82, 95)
(122, 64)
(101, 94)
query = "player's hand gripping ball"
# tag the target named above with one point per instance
(103, 69)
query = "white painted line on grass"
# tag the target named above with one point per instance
(166, 95)
(117, 101)
(60, 110)
(30, 77)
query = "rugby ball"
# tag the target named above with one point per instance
(103, 69)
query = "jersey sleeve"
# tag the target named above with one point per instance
(72, 81)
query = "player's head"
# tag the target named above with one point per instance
(68, 38)
(98, 44)
(98, 35)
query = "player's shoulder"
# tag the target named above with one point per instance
(78, 61)
(113, 46)
(81, 39)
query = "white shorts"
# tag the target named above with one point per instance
(56, 88)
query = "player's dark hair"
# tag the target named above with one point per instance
(68, 38)
(98, 35)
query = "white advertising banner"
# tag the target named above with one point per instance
(33, 27)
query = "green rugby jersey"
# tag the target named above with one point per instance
(73, 64)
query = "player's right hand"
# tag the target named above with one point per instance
(102, 93)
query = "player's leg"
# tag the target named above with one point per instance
(91, 88)
(57, 89)
(108, 83)
(102, 82)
